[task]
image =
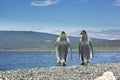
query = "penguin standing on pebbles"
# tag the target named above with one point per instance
(62, 46)
(85, 48)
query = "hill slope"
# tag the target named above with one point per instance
(24, 39)
(10, 40)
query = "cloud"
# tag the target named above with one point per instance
(44, 3)
(117, 3)
(105, 34)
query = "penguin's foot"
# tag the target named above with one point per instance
(63, 64)
(85, 64)
(82, 63)
(88, 63)
(58, 63)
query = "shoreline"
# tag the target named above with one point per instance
(54, 50)
(76, 72)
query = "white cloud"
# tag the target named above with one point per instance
(106, 34)
(45, 2)
(117, 3)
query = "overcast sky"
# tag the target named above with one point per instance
(101, 18)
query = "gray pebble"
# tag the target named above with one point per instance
(89, 72)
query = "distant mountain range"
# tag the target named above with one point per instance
(22, 40)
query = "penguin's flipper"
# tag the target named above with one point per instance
(80, 53)
(91, 48)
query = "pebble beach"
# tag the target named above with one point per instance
(76, 72)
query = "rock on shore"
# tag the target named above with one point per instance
(77, 72)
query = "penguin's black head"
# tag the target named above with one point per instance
(63, 33)
(83, 32)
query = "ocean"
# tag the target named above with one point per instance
(13, 60)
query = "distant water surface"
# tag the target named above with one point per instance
(12, 60)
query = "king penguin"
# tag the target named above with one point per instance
(85, 48)
(62, 46)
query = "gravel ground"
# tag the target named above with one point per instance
(80, 72)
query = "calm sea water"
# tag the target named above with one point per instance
(12, 60)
